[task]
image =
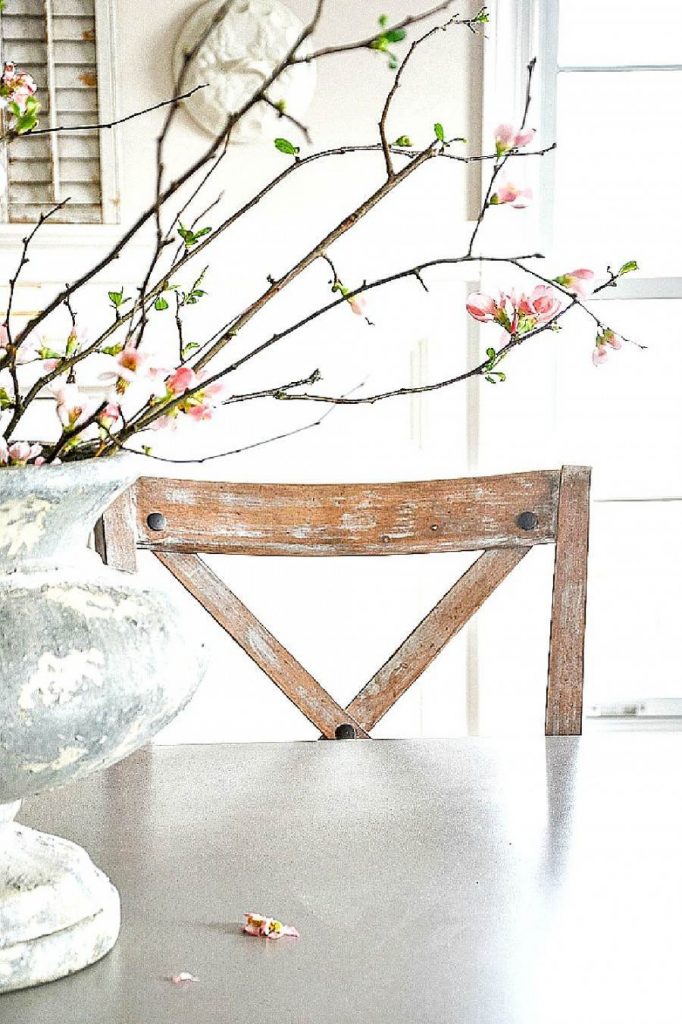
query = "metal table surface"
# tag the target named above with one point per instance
(465, 881)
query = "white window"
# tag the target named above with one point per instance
(609, 89)
(65, 46)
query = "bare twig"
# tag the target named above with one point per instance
(281, 112)
(102, 126)
(454, 20)
(367, 44)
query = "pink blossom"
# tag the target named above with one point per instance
(599, 354)
(523, 137)
(577, 281)
(141, 370)
(358, 304)
(198, 405)
(542, 304)
(15, 86)
(183, 379)
(611, 338)
(19, 453)
(482, 307)
(71, 405)
(267, 927)
(605, 340)
(517, 315)
(200, 412)
(110, 414)
(508, 138)
(518, 198)
(215, 390)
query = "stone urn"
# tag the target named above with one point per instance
(93, 662)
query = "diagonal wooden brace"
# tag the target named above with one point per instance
(446, 619)
(261, 646)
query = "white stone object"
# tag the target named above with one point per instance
(93, 662)
(234, 61)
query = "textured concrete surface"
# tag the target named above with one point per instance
(58, 912)
(467, 882)
(93, 662)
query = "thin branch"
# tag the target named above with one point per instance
(502, 160)
(303, 129)
(113, 124)
(396, 85)
(571, 295)
(367, 44)
(234, 451)
(69, 433)
(178, 182)
(345, 225)
(415, 271)
(23, 259)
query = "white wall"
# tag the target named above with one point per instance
(341, 618)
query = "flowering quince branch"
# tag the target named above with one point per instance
(142, 390)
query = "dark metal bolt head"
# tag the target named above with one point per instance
(527, 521)
(156, 521)
(345, 731)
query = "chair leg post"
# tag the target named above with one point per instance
(563, 713)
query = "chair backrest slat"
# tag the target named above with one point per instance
(502, 516)
(348, 519)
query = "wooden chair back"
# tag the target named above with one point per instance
(502, 516)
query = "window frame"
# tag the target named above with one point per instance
(534, 26)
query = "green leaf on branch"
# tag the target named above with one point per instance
(403, 140)
(284, 146)
(628, 268)
(161, 303)
(5, 400)
(439, 131)
(191, 237)
(116, 298)
(191, 347)
(383, 20)
(482, 18)
(26, 118)
(396, 35)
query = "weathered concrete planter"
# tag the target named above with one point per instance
(93, 662)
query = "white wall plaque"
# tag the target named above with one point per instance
(236, 58)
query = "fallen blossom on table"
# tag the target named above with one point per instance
(267, 927)
(184, 977)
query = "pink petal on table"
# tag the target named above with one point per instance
(267, 927)
(182, 977)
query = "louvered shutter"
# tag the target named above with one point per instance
(55, 41)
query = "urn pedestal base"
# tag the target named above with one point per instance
(58, 912)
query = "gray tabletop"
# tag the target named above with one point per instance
(516, 882)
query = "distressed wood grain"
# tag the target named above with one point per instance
(504, 516)
(348, 519)
(446, 619)
(563, 715)
(116, 535)
(261, 646)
